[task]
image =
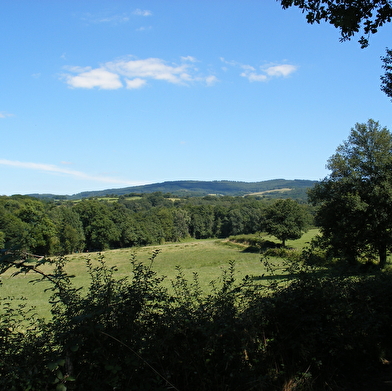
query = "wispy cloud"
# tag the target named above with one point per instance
(114, 19)
(140, 12)
(106, 18)
(264, 73)
(64, 171)
(144, 28)
(189, 58)
(3, 114)
(134, 73)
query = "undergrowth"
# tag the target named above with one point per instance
(312, 333)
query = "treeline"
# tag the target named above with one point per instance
(49, 228)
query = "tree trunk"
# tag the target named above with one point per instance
(382, 253)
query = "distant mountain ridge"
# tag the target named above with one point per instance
(199, 188)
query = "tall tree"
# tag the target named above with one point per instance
(286, 219)
(69, 229)
(354, 203)
(41, 234)
(99, 229)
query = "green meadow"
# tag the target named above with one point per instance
(208, 258)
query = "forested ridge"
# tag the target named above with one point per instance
(293, 188)
(52, 228)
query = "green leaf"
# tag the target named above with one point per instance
(52, 366)
(74, 348)
(61, 362)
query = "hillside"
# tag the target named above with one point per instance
(271, 188)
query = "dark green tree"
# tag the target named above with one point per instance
(13, 228)
(2, 239)
(181, 221)
(202, 221)
(99, 229)
(286, 219)
(348, 16)
(40, 237)
(69, 229)
(354, 203)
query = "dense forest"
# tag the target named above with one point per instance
(54, 228)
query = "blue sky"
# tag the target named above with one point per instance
(106, 94)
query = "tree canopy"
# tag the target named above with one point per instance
(386, 79)
(286, 219)
(354, 203)
(349, 17)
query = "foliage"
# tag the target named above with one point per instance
(386, 79)
(314, 333)
(286, 219)
(54, 228)
(348, 16)
(354, 203)
(69, 228)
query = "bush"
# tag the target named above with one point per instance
(314, 333)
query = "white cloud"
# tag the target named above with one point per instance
(211, 80)
(253, 76)
(135, 83)
(152, 68)
(281, 70)
(3, 114)
(189, 58)
(232, 63)
(135, 73)
(265, 74)
(248, 68)
(113, 19)
(140, 12)
(58, 170)
(99, 77)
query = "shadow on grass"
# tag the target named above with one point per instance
(260, 248)
(289, 276)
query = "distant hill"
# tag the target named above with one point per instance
(274, 188)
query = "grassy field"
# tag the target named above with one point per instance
(207, 258)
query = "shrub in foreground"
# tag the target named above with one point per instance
(131, 333)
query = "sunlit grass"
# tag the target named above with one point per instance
(207, 258)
